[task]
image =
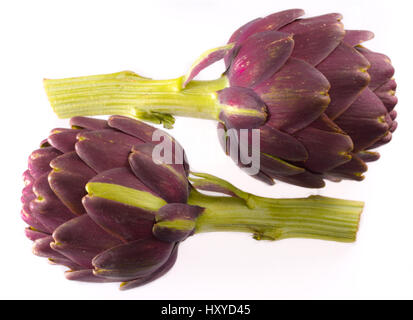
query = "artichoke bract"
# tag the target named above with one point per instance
(100, 199)
(321, 101)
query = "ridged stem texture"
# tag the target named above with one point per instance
(315, 217)
(126, 93)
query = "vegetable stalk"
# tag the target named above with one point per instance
(314, 217)
(126, 93)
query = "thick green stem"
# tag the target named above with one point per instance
(127, 93)
(314, 217)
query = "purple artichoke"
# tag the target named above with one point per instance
(88, 210)
(320, 100)
(98, 200)
(328, 100)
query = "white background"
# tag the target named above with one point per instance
(160, 39)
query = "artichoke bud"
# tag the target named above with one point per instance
(241, 108)
(92, 208)
(176, 221)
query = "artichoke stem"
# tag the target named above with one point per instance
(126, 93)
(315, 217)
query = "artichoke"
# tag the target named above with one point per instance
(99, 200)
(320, 100)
